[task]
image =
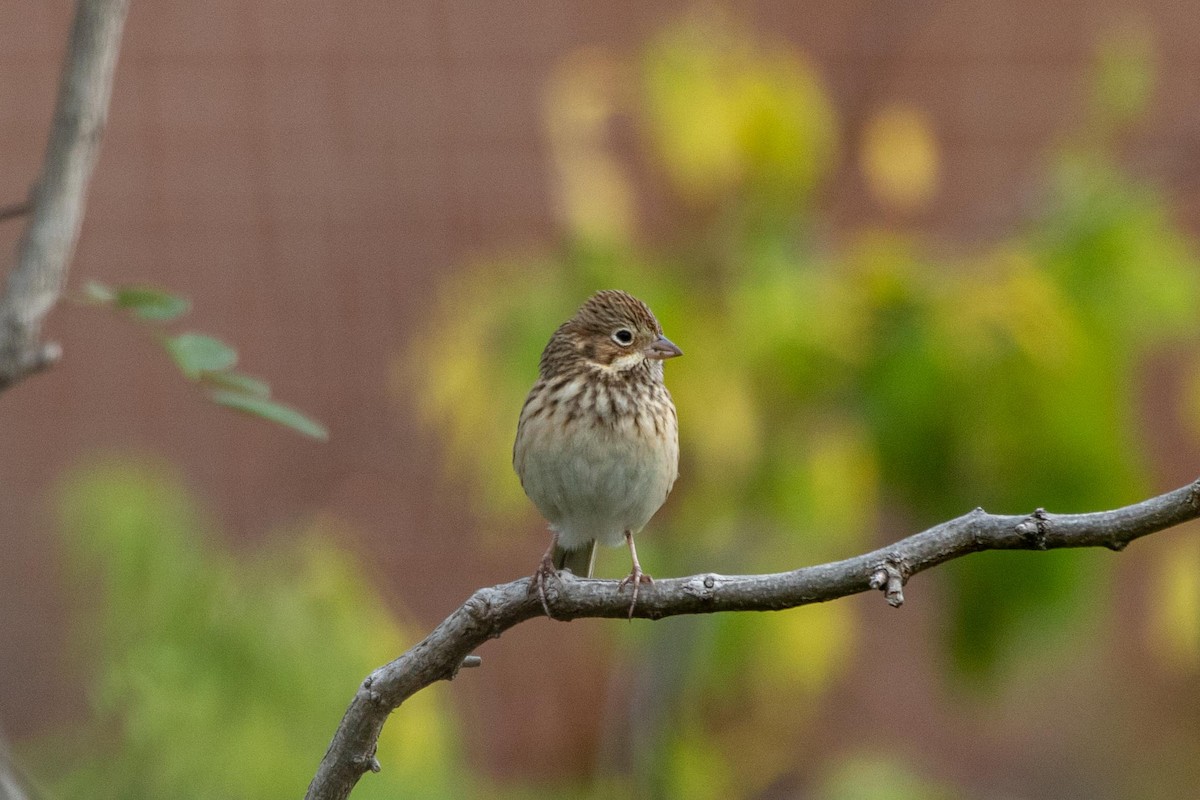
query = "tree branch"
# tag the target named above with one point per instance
(10, 780)
(491, 611)
(58, 201)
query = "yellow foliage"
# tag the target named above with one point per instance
(696, 768)
(843, 483)
(1191, 400)
(795, 653)
(1123, 75)
(791, 658)
(878, 776)
(1175, 606)
(900, 157)
(452, 374)
(593, 188)
(1004, 301)
(417, 738)
(719, 423)
(725, 111)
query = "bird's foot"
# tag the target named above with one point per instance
(635, 578)
(541, 575)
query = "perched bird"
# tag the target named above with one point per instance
(597, 446)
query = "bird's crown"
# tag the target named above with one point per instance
(612, 332)
(611, 308)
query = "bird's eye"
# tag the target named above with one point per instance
(623, 336)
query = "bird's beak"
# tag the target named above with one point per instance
(662, 348)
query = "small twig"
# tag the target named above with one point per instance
(491, 611)
(890, 579)
(16, 210)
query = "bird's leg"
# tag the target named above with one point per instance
(544, 572)
(635, 577)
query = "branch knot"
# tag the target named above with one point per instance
(702, 586)
(371, 695)
(1033, 528)
(889, 577)
(1193, 494)
(367, 762)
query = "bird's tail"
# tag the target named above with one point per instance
(580, 561)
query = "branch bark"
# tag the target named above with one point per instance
(45, 250)
(491, 611)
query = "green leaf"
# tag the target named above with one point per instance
(196, 354)
(272, 411)
(150, 304)
(96, 292)
(238, 382)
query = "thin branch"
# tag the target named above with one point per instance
(489, 612)
(16, 210)
(45, 251)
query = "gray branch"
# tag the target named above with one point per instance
(489, 612)
(11, 787)
(45, 250)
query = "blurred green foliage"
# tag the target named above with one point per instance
(821, 382)
(726, 115)
(827, 386)
(864, 777)
(222, 675)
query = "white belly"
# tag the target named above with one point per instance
(595, 482)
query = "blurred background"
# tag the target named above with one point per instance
(921, 256)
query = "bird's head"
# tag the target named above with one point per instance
(613, 332)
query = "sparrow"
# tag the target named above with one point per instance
(597, 446)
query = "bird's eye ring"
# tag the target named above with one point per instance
(623, 336)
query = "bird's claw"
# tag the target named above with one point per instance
(544, 572)
(635, 579)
